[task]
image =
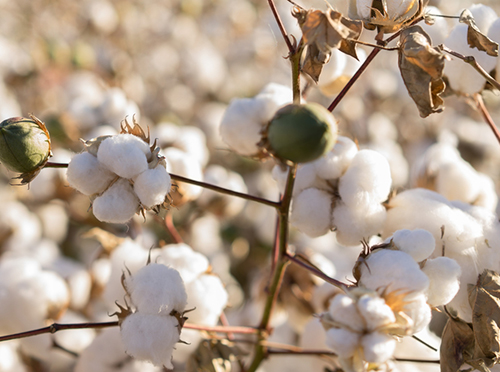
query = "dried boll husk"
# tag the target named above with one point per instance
(24, 146)
(300, 133)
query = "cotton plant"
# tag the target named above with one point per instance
(122, 175)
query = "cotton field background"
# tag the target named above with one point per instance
(159, 247)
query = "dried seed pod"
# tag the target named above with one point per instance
(301, 133)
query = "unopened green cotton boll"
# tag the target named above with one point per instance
(24, 144)
(301, 133)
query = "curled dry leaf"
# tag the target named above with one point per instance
(323, 31)
(484, 298)
(475, 38)
(213, 356)
(457, 344)
(421, 67)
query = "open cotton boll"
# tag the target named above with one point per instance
(391, 271)
(375, 312)
(124, 154)
(342, 341)
(378, 347)
(311, 212)
(487, 197)
(335, 163)
(344, 311)
(352, 225)
(87, 175)
(117, 204)
(152, 186)
(208, 295)
(157, 289)
(443, 274)
(439, 29)
(367, 180)
(193, 141)
(183, 164)
(10, 360)
(458, 181)
(150, 337)
(418, 243)
(181, 257)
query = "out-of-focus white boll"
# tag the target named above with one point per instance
(444, 274)
(487, 197)
(10, 360)
(245, 118)
(353, 224)
(125, 155)
(55, 220)
(314, 337)
(339, 69)
(418, 243)
(367, 180)
(220, 176)
(334, 163)
(157, 289)
(378, 347)
(494, 34)
(185, 165)
(21, 228)
(458, 181)
(311, 212)
(181, 257)
(87, 175)
(343, 341)
(204, 235)
(117, 204)
(462, 77)
(152, 185)
(392, 271)
(439, 29)
(208, 295)
(393, 152)
(419, 312)
(115, 106)
(343, 310)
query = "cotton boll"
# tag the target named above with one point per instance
(483, 15)
(392, 271)
(54, 220)
(352, 225)
(157, 289)
(439, 29)
(335, 163)
(311, 212)
(393, 152)
(375, 312)
(19, 228)
(75, 340)
(185, 165)
(368, 179)
(314, 337)
(10, 360)
(117, 204)
(87, 175)
(208, 296)
(487, 197)
(181, 257)
(458, 181)
(342, 341)
(418, 243)
(419, 312)
(443, 274)
(378, 347)
(343, 310)
(193, 141)
(152, 186)
(124, 154)
(150, 337)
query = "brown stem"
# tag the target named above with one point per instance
(224, 191)
(223, 329)
(298, 260)
(55, 165)
(417, 360)
(53, 328)
(486, 115)
(169, 224)
(281, 26)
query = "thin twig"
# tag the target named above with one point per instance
(55, 165)
(417, 360)
(53, 328)
(486, 115)
(424, 343)
(281, 26)
(472, 61)
(222, 190)
(172, 230)
(223, 329)
(298, 261)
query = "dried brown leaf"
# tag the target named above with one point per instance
(213, 356)
(323, 31)
(457, 345)
(475, 37)
(484, 298)
(421, 67)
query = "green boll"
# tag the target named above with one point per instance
(24, 144)
(301, 133)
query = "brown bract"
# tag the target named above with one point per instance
(421, 67)
(475, 38)
(322, 32)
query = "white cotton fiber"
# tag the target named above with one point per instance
(342, 341)
(418, 243)
(181, 257)
(208, 295)
(117, 204)
(183, 164)
(124, 155)
(458, 181)
(378, 347)
(157, 289)
(334, 163)
(352, 225)
(343, 310)
(311, 212)
(87, 175)
(367, 180)
(150, 337)
(375, 312)
(152, 186)
(444, 274)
